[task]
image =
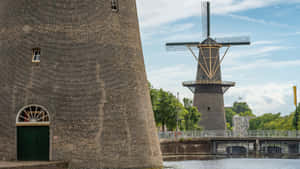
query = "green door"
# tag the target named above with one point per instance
(33, 143)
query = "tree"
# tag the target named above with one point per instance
(191, 115)
(165, 113)
(241, 107)
(296, 118)
(167, 109)
(229, 115)
(261, 122)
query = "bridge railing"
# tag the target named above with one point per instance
(274, 133)
(172, 135)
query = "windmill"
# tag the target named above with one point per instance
(209, 88)
(80, 62)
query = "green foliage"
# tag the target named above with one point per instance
(271, 121)
(239, 108)
(267, 121)
(296, 118)
(228, 126)
(229, 115)
(260, 122)
(167, 109)
(242, 108)
(191, 115)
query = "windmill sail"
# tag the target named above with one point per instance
(231, 41)
(181, 46)
(205, 20)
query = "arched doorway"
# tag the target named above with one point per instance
(33, 123)
(236, 150)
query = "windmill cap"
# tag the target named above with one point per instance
(209, 41)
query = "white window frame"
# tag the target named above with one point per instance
(41, 123)
(115, 5)
(36, 58)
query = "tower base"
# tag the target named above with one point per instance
(209, 100)
(211, 107)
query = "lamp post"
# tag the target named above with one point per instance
(177, 110)
(177, 129)
(296, 113)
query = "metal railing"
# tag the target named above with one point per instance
(172, 135)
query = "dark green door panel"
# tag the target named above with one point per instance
(33, 143)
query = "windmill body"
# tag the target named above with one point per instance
(73, 78)
(209, 88)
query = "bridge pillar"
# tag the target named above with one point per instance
(257, 147)
(214, 147)
(248, 147)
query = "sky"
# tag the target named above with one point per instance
(264, 72)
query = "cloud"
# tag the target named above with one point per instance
(185, 37)
(265, 42)
(263, 64)
(260, 21)
(166, 30)
(289, 34)
(259, 50)
(158, 12)
(170, 78)
(264, 98)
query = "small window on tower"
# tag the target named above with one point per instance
(36, 55)
(114, 5)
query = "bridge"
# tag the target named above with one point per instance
(227, 143)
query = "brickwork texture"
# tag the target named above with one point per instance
(91, 79)
(209, 98)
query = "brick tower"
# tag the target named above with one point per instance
(73, 78)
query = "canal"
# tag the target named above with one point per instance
(236, 164)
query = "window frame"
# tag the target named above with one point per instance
(34, 58)
(115, 5)
(33, 110)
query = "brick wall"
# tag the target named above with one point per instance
(91, 78)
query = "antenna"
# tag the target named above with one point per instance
(208, 19)
(205, 6)
(204, 19)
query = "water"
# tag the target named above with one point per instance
(236, 164)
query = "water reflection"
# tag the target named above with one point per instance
(236, 164)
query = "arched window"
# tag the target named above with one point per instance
(33, 115)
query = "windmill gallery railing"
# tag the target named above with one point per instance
(172, 135)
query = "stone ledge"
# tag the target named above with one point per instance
(33, 165)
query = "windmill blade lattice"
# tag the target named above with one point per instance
(208, 60)
(181, 46)
(233, 41)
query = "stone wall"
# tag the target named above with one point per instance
(186, 147)
(240, 125)
(33, 165)
(91, 79)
